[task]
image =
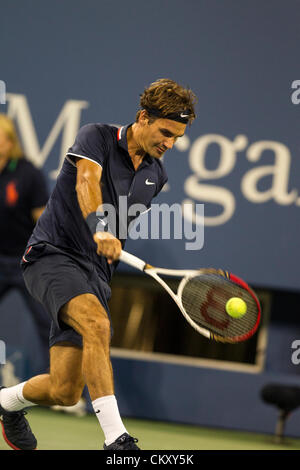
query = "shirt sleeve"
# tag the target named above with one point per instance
(39, 193)
(89, 144)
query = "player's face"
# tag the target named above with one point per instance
(5, 144)
(161, 135)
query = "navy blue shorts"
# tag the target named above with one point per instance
(53, 277)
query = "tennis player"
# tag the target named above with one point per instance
(72, 254)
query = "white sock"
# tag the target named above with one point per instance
(11, 398)
(107, 412)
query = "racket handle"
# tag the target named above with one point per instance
(132, 260)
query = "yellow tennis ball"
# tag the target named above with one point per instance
(236, 307)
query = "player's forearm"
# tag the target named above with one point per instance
(90, 198)
(89, 195)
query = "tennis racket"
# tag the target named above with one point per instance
(202, 295)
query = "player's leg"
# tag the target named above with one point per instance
(70, 367)
(86, 315)
(91, 364)
(64, 384)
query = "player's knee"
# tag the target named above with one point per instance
(66, 395)
(97, 326)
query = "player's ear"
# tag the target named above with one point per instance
(143, 118)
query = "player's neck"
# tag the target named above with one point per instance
(135, 151)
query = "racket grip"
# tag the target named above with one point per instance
(132, 260)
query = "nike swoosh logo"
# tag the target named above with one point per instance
(98, 411)
(184, 115)
(148, 182)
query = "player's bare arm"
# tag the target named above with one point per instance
(90, 199)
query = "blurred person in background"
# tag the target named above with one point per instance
(23, 196)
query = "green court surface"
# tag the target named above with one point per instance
(60, 431)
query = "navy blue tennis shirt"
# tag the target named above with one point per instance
(62, 223)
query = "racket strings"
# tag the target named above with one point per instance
(204, 299)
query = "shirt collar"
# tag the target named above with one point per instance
(122, 137)
(122, 141)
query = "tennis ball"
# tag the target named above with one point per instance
(236, 307)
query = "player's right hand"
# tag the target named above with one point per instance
(108, 246)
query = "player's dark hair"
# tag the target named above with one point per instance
(168, 97)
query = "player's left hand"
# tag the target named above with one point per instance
(108, 246)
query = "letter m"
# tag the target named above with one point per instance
(68, 123)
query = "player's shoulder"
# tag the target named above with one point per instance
(97, 135)
(98, 130)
